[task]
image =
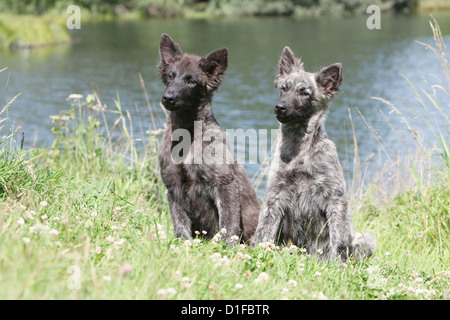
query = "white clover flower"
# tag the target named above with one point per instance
(35, 229)
(234, 239)
(247, 257)
(224, 261)
(292, 283)
(216, 237)
(119, 243)
(162, 235)
(31, 214)
(239, 256)
(238, 286)
(161, 294)
(53, 233)
(372, 270)
(171, 292)
(44, 218)
(110, 239)
(216, 256)
(196, 242)
(321, 296)
(319, 251)
(430, 293)
(125, 269)
(267, 245)
(284, 291)
(185, 282)
(43, 204)
(166, 293)
(26, 240)
(116, 211)
(187, 244)
(88, 224)
(20, 222)
(262, 277)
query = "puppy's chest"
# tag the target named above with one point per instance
(297, 174)
(303, 181)
(185, 177)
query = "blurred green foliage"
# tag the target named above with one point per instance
(167, 8)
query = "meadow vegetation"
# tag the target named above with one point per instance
(87, 218)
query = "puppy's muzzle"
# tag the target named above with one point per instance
(280, 109)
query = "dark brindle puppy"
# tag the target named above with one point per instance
(305, 201)
(206, 191)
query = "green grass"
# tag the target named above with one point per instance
(433, 5)
(18, 31)
(88, 219)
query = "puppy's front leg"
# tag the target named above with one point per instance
(181, 221)
(269, 220)
(339, 226)
(228, 206)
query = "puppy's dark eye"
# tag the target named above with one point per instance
(284, 88)
(191, 82)
(170, 77)
(304, 93)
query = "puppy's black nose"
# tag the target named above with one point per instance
(168, 98)
(280, 108)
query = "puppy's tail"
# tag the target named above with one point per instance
(363, 245)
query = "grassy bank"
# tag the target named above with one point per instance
(88, 219)
(433, 5)
(25, 31)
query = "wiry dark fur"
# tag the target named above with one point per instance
(204, 196)
(305, 201)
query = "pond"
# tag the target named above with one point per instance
(109, 56)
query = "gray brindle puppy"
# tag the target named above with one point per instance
(305, 202)
(206, 190)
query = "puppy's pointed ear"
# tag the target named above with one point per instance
(169, 52)
(330, 78)
(214, 65)
(288, 62)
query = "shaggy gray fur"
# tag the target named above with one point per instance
(305, 201)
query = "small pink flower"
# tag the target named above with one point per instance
(125, 269)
